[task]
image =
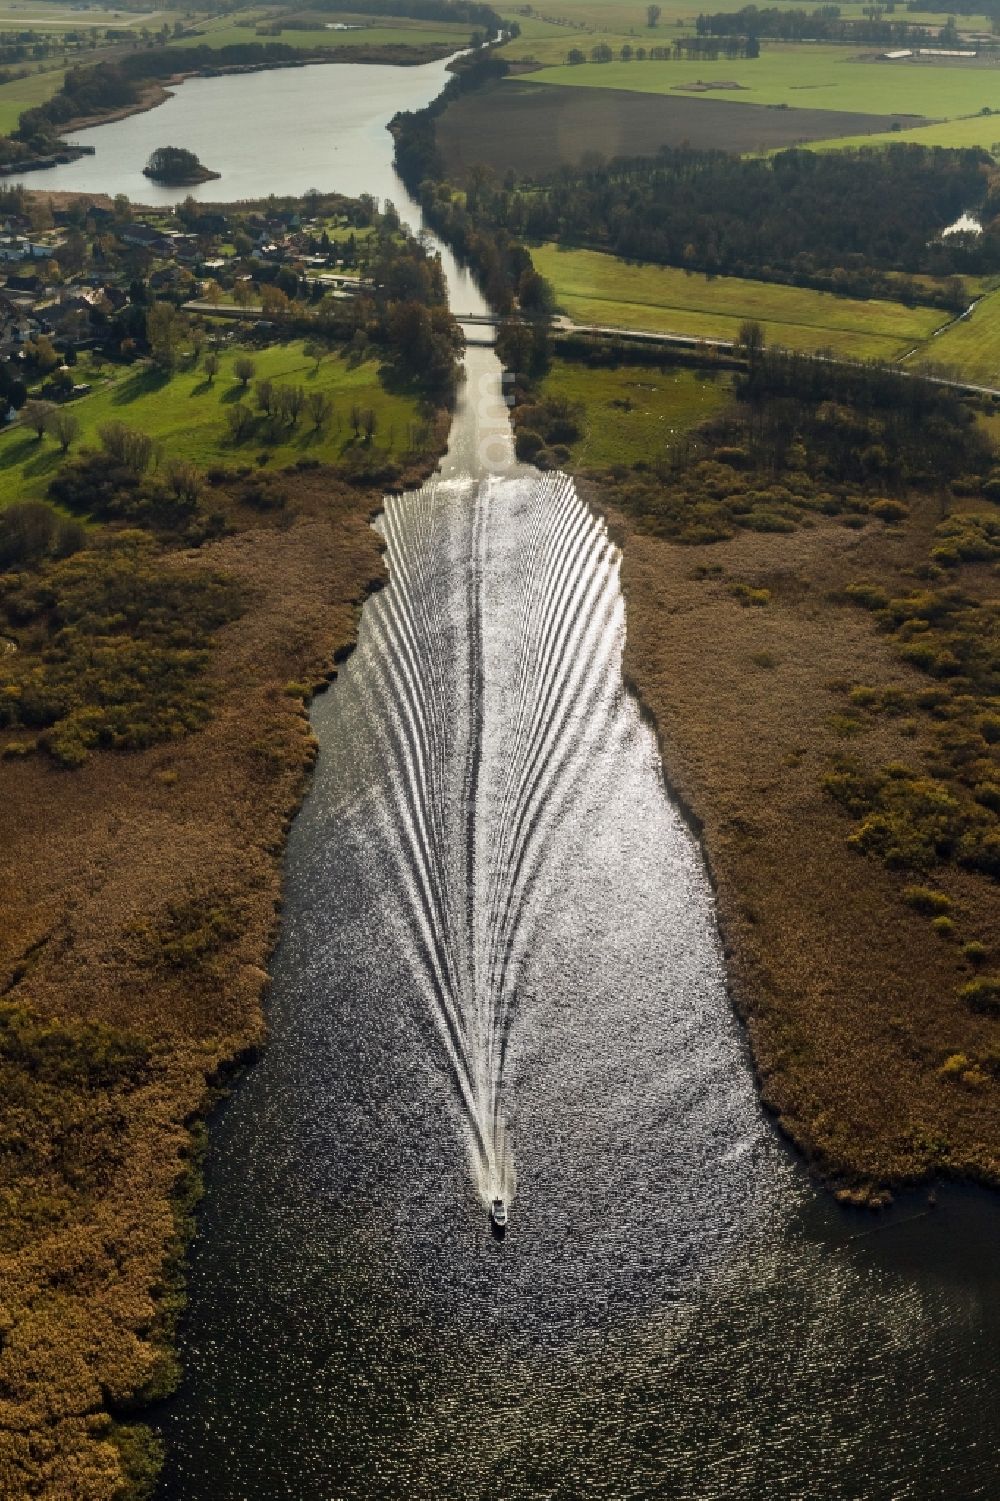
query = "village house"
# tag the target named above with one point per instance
(146, 237)
(14, 249)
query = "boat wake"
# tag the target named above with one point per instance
(485, 731)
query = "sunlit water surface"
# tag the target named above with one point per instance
(500, 971)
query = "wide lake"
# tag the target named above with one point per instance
(500, 972)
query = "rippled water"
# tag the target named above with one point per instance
(500, 966)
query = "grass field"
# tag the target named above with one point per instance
(595, 288)
(25, 93)
(188, 416)
(633, 411)
(817, 77)
(976, 130)
(629, 16)
(391, 33)
(970, 348)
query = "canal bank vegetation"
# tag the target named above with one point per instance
(810, 576)
(171, 592)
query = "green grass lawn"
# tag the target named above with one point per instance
(26, 93)
(971, 348)
(595, 288)
(187, 416)
(633, 411)
(812, 77)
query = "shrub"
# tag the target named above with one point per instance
(747, 595)
(982, 994)
(923, 899)
(892, 512)
(30, 530)
(528, 443)
(114, 650)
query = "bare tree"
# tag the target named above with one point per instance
(211, 366)
(653, 13)
(184, 479)
(64, 426)
(36, 414)
(264, 391)
(320, 408)
(244, 370)
(127, 446)
(296, 400)
(288, 403)
(750, 341)
(370, 424)
(241, 421)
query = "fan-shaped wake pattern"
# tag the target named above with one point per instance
(490, 684)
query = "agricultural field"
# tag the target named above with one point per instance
(971, 348)
(534, 129)
(186, 413)
(804, 76)
(633, 411)
(371, 32)
(22, 15)
(600, 289)
(609, 17)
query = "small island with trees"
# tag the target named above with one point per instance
(175, 165)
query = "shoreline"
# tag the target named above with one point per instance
(158, 91)
(840, 990)
(132, 839)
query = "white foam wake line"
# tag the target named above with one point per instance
(470, 808)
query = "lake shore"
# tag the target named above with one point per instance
(850, 997)
(157, 91)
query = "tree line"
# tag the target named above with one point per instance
(847, 221)
(824, 24)
(704, 47)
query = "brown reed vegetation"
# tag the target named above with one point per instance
(866, 968)
(138, 906)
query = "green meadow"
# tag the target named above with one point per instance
(974, 130)
(633, 411)
(803, 76)
(25, 93)
(393, 32)
(970, 348)
(629, 16)
(186, 414)
(595, 288)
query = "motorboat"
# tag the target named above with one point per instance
(498, 1215)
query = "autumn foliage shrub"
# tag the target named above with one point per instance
(113, 648)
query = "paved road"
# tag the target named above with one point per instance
(565, 325)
